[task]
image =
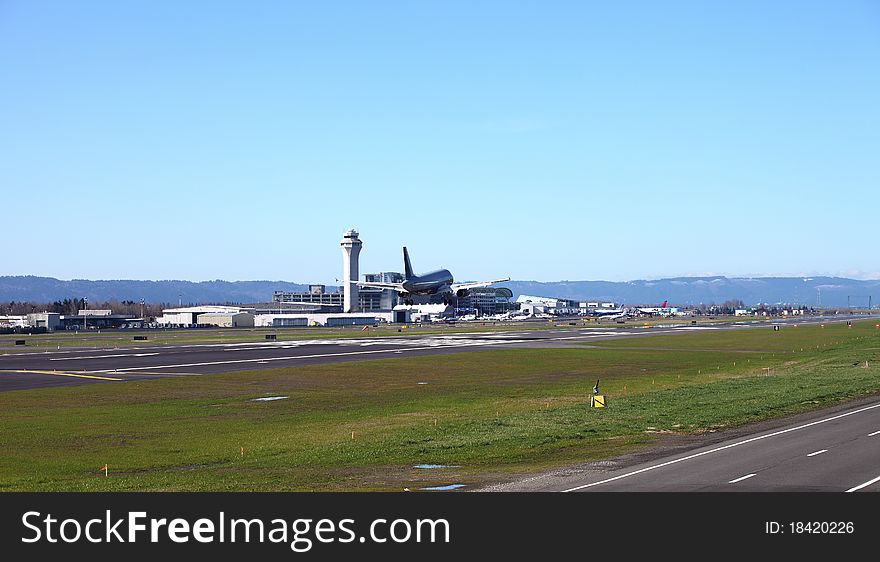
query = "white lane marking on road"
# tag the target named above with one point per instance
(813, 454)
(866, 484)
(741, 478)
(873, 434)
(722, 448)
(292, 357)
(104, 356)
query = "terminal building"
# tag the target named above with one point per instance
(369, 298)
(486, 301)
(548, 305)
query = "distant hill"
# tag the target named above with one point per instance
(827, 291)
(48, 289)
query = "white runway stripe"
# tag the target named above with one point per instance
(288, 358)
(104, 356)
(866, 484)
(741, 478)
(722, 448)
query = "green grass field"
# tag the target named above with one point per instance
(362, 426)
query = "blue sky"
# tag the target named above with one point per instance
(538, 140)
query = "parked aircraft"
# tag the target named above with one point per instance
(662, 310)
(607, 312)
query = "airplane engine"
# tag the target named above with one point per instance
(462, 293)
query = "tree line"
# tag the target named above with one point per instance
(71, 306)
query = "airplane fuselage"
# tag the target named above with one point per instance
(428, 283)
(606, 312)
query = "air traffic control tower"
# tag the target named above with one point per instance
(351, 249)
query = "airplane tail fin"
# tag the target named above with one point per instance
(664, 304)
(407, 266)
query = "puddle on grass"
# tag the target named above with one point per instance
(436, 466)
(270, 398)
(443, 488)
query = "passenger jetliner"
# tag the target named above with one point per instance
(607, 312)
(662, 310)
(438, 282)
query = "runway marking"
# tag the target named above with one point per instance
(290, 358)
(873, 434)
(722, 448)
(741, 478)
(151, 374)
(59, 374)
(104, 356)
(817, 453)
(860, 486)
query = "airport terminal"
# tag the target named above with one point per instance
(347, 305)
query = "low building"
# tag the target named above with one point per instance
(226, 320)
(289, 320)
(94, 321)
(292, 320)
(48, 320)
(187, 316)
(548, 305)
(17, 321)
(94, 312)
(425, 312)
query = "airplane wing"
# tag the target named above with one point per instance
(395, 286)
(459, 286)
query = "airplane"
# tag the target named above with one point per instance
(662, 310)
(607, 312)
(623, 313)
(438, 282)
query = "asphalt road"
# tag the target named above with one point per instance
(115, 364)
(836, 450)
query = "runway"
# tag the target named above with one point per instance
(835, 450)
(20, 371)
(81, 366)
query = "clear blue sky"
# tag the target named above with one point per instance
(538, 140)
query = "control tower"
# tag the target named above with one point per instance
(351, 249)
